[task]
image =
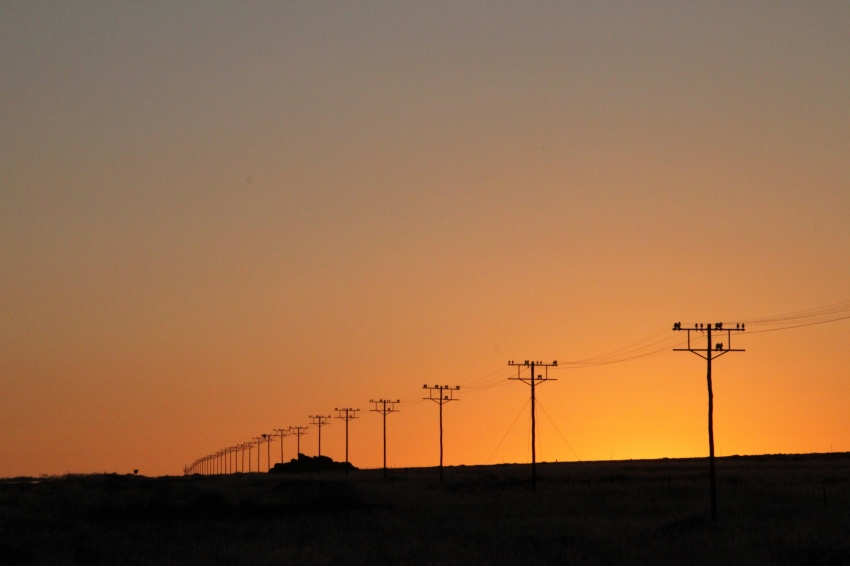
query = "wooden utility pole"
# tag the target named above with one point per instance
(282, 433)
(709, 353)
(532, 380)
(436, 394)
(384, 407)
(346, 414)
(298, 431)
(319, 421)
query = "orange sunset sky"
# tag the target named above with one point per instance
(218, 218)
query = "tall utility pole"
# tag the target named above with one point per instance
(346, 414)
(281, 433)
(298, 431)
(436, 394)
(709, 353)
(532, 380)
(384, 407)
(319, 421)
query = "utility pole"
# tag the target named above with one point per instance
(532, 380)
(281, 433)
(435, 394)
(346, 414)
(268, 438)
(709, 353)
(298, 431)
(384, 407)
(319, 421)
(259, 442)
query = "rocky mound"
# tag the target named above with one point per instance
(311, 464)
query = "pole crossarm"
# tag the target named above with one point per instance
(532, 364)
(440, 397)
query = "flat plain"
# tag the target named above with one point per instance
(776, 509)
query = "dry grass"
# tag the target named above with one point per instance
(772, 509)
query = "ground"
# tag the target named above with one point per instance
(771, 509)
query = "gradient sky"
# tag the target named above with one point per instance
(217, 218)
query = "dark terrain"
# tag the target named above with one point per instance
(771, 509)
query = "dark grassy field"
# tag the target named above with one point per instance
(772, 509)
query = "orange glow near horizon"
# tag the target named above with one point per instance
(218, 221)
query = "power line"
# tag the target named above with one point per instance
(508, 431)
(552, 421)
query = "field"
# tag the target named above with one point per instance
(771, 509)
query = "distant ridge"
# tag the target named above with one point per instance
(311, 464)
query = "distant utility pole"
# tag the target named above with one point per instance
(281, 433)
(346, 414)
(532, 380)
(298, 431)
(268, 438)
(709, 354)
(259, 442)
(319, 421)
(384, 407)
(436, 394)
(242, 446)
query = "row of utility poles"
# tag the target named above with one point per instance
(227, 460)
(220, 462)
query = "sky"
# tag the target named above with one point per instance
(220, 218)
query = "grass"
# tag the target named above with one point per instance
(771, 509)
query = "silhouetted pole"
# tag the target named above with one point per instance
(258, 441)
(532, 380)
(346, 414)
(710, 354)
(281, 433)
(268, 438)
(298, 431)
(441, 399)
(384, 410)
(319, 421)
